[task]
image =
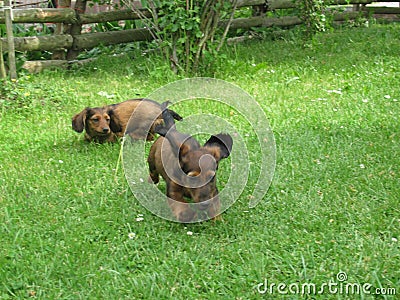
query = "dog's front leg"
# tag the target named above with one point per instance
(215, 209)
(180, 209)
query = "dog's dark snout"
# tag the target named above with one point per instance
(106, 129)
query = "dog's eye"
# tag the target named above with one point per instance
(95, 120)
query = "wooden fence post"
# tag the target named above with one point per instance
(10, 38)
(80, 7)
(2, 68)
(61, 28)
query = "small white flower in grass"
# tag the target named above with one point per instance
(394, 239)
(338, 91)
(387, 96)
(60, 161)
(105, 94)
(362, 166)
(141, 180)
(365, 100)
(131, 235)
(138, 219)
(189, 233)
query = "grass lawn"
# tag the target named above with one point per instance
(70, 227)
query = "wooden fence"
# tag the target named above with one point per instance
(68, 43)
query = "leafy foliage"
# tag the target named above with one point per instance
(312, 12)
(188, 31)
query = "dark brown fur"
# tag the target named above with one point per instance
(188, 169)
(105, 124)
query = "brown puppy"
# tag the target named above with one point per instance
(105, 124)
(188, 169)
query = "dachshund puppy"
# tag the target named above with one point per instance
(105, 124)
(188, 169)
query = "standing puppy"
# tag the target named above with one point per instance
(188, 169)
(105, 124)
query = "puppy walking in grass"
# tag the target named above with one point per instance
(188, 169)
(107, 123)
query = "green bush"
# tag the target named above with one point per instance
(188, 31)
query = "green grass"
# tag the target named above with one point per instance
(66, 212)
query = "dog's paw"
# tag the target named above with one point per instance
(153, 179)
(186, 216)
(218, 218)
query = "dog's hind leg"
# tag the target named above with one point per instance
(151, 160)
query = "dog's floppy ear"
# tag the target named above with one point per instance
(175, 115)
(180, 142)
(115, 123)
(78, 121)
(222, 143)
(168, 119)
